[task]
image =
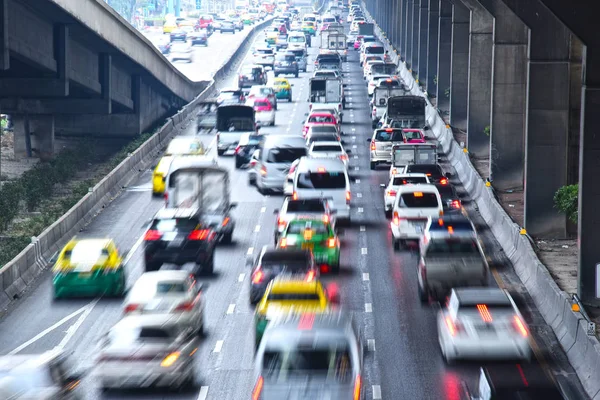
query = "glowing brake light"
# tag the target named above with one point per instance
(428, 174)
(256, 392)
(348, 196)
(444, 181)
(396, 219)
(295, 196)
(187, 306)
(389, 130)
(373, 147)
(283, 243)
(418, 194)
(331, 243)
(310, 276)
(280, 222)
(131, 308)
(394, 171)
(450, 230)
(451, 326)
(152, 235)
(455, 204)
(263, 170)
(357, 388)
(392, 193)
(199, 234)
(484, 312)
(258, 276)
(308, 234)
(520, 326)
(321, 170)
(325, 219)
(344, 157)
(170, 359)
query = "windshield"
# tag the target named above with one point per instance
(429, 170)
(464, 246)
(374, 50)
(285, 154)
(327, 148)
(126, 335)
(285, 57)
(262, 91)
(386, 136)
(332, 362)
(413, 135)
(86, 253)
(321, 119)
(399, 181)
(321, 180)
(297, 39)
(324, 129)
(305, 206)
(260, 103)
(419, 200)
(265, 51)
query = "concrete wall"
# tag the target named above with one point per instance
(30, 36)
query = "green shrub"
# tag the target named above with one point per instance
(566, 201)
(10, 197)
(10, 247)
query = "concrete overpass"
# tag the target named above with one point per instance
(522, 79)
(76, 68)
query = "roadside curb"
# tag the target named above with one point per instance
(22, 270)
(583, 351)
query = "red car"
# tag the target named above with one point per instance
(413, 136)
(205, 22)
(318, 119)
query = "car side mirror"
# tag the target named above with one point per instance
(368, 140)
(448, 175)
(232, 206)
(426, 128)
(292, 84)
(276, 211)
(348, 151)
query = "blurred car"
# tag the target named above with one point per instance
(251, 75)
(306, 353)
(178, 34)
(322, 133)
(391, 189)
(261, 91)
(414, 136)
(292, 209)
(264, 56)
(285, 294)
(316, 234)
(272, 262)
(333, 149)
(271, 34)
(169, 27)
(246, 146)
(148, 350)
(296, 25)
(309, 27)
(301, 58)
(482, 324)
(264, 110)
(231, 96)
(179, 236)
(200, 37)
(247, 19)
(328, 108)
(89, 267)
(164, 47)
(168, 292)
(433, 171)
(285, 63)
(282, 88)
(227, 26)
(381, 144)
(237, 23)
(450, 199)
(373, 81)
(180, 145)
(49, 375)
(319, 119)
(182, 51)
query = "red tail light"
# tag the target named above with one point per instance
(258, 276)
(348, 196)
(357, 388)
(484, 312)
(392, 193)
(237, 150)
(283, 243)
(263, 170)
(131, 308)
(452, 328)
(166, 197)
(331, 243)
(256, 392)
(252, 163)
(344, 157)
(199, 234)
(520, 326)
(443, 181)
(295, 196)
(184, 307)
(373, 147)
(310, 276)
(396, 219)
(280, 222)
(152, 235)
(455, 204)
(374, 110)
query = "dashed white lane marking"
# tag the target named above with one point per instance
(353, 129)
(363, 228)
(203, 393)
(356, 168)
(368, 307)
(376, 392)
(241, 277)
(231, 309)
(360, 209)
(364, 251)
(263, 209)
(359, 195)
(358, 181)
(250, 250)
(371, 344)
(218, 346)
(353, 137)
(352, 121)
(257, 228)
(133, 249)
(365, 276)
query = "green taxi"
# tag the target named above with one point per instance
(309, 27)
(89, 267)
(315, 234)
(282, 88)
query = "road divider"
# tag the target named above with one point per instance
(30, 263)
(570, 328)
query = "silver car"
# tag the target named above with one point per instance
(143, 351)
(182, 51)
(309, 356)
(482, 323)
(381, 144)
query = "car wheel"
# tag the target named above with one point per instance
(272, 123)
(227, 238)
(388, 214)
(396, 245)
(153, 266)
(423, 294)
(251, 181)
(296, 74)
(238, 163)
(201, 331)
(373, 165)
(209, 266)
(220, 152)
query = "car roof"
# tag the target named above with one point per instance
(311, 164)
(275, 254)
(419, 187)
(192, 161)
(473, 296)
(328, 143)
(166, 275)
(147, 320)
(339, 321)
(27, 361)
(283, 284)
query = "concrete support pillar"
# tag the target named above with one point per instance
(61, 54)
(444, 56)
(41, 129)
(575, 72)
(409, 32)
(423, 29)
(416, 18)
(480, 79)
(22, 137)
(589, 189)
(433, 23)
(459, 66)
(4, 49)
(105, 79)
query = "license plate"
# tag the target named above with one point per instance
(176, 242)
(85, 274)
(307, 246)
(169, 236)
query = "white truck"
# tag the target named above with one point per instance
(326, 91)
(379, 101)
(333, 41)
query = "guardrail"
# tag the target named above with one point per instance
(22, 270)
(571, 328)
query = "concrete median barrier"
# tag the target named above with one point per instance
(570, 328)
(21, 271)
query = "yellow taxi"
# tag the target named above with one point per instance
(282, 88)
(89, 267)
(291, 295)
(271, 35)
(169, 26)
(179, 146)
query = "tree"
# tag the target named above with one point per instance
(125, 8)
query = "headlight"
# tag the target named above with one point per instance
(170, 359)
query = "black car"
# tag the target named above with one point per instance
(227, 26)
(450, 200)
(164, 47)
(285, 63)
(247, 145)
(179, 236)
(273, 262)
(252, 75)
(329, 59)
(433, 171)
(200, 37)
(179, 34)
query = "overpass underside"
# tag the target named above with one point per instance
(521, 80)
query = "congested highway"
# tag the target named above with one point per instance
(376, 284)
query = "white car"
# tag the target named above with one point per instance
(181, 51)
(412, 206)
(373, 81)
(168, 292)
(391, 189)
(265, 57)
(329, 150)
(482, 323)
(264, 112)
(369, 61)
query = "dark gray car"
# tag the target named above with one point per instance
(286, 64)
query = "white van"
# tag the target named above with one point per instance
(324, 178)
(296, 41)
(413, 205)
